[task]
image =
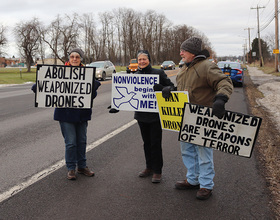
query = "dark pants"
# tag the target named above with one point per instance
(152, 137)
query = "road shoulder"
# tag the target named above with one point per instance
(266, 148)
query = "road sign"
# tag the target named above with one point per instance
(276, 51)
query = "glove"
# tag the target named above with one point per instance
(166, 91)
(158, 87)
(112, 110)
(219, 105)
(34, 87)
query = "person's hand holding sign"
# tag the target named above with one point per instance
(112, 110)
(219, 105)
(165, 90)
(158, 87)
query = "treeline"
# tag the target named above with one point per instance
(116, 36)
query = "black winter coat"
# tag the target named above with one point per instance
(149, 117)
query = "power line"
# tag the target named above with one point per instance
(265, 7)
(267, 16)
(271, 13)
(270, 20)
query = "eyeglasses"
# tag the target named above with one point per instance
(73, 57)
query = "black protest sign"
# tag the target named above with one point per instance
(64, 86)
(235, 133)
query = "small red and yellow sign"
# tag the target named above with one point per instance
(276, 51)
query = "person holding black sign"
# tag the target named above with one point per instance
(207, 86)
(73, 123)
(149, 122)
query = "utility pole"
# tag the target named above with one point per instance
(276, 36)
(246, 50)
(250, 57)
(259, 40)
(244, 53)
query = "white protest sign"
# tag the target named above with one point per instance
(64, 86)
(235, 133)
(134, 92)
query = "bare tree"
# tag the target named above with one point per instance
(28, 35)
(173, 38)
(97, 50)
(270, 40)
(121, 34)
(107, 36)
(153, 27)
(89, 34)
(3, 39)
(52, 36)
(42, 44)
(127, 27)
(147, 25)
(161, 23)
(70, 34)
(62, 35)
(117, 21)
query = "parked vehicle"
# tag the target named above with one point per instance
(132, 67)
(103, 69)
(181, 63)
(233, 70)
(168, 65)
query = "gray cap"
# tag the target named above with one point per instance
(79, 51)
(192, 45)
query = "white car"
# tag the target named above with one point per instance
(103, 69)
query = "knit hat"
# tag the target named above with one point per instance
(145, 52)
(192, 45)
(79, 51)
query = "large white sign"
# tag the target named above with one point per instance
(235, 133)
(134, 92)
(64, 86)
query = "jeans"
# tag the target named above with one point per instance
(199, 162)
(75, 138)
(152, 138)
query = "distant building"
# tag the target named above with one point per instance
(12, 62)
(50, 61)
(18, 62)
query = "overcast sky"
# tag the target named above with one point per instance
(222, 21)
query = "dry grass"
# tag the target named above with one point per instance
(268, 68)
(267, 147)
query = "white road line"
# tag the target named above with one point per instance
(38, 176)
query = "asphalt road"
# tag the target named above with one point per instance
(31, 142)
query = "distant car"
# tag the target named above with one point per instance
(168, 65)
(132, 67)
(181, 63)
(233, 70)
(103, 69)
